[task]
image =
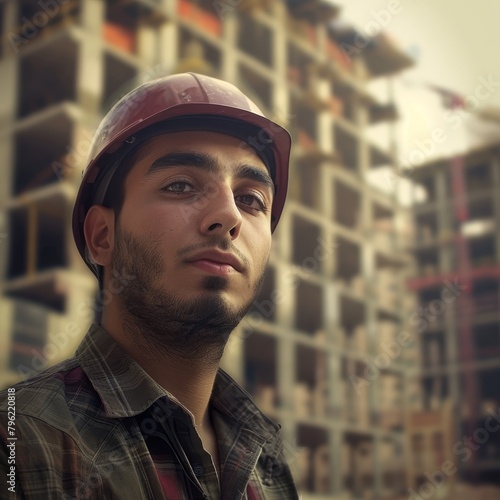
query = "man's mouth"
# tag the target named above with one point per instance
(216, 262)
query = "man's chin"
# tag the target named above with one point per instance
(215, 283)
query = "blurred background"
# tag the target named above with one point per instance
(375, 341)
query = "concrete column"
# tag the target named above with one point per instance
(285, 362)
(148, 33)
(168, 7)
(444, 214)
(168, 42)
(361, 121)
(335, 463)
(230, 37)
(6, 323)
(321, 87)
(328, 193)
(282, 240)
(368, 253)
(452, 371)
(9, 83)
(280, 101)
(322, 38)
(9, 76)
(335, 394)
(286, 369)
(147, 45)
(11, 22)
(90, 66)
(368, 263)
(377, 468)
(7, 153)
(327, 255)
(233, 361)
(286, 286)
(285, 314)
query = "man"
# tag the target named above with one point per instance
(186, 183)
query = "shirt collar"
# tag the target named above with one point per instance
(124, 387)
(126, 390)
(232, 400)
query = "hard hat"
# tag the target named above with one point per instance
(186, 101)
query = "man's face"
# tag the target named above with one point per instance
(195, 232)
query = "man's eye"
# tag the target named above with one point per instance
(178, 187)
(252, 201)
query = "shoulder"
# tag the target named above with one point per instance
(37, 395)
(52, 408)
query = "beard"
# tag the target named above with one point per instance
(164, 323)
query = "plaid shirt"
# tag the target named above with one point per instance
(97, 426)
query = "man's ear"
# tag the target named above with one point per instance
(99, 230)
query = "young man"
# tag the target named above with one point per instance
(186, 183)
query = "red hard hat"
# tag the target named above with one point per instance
(186, 101)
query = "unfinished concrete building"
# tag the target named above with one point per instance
(457, 249)
(333, 296)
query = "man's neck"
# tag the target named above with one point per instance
(189, 381)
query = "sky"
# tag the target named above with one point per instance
(456, 45)
(455, 41)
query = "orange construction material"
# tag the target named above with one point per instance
(294, 75)
(338, 55)
(475, 273)
(336, 105)
(119, 36)
(206, 20)
(311, 35)
(306, 141)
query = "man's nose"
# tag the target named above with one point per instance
(221, 215)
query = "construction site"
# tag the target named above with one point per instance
(375, 340)
(457, 248)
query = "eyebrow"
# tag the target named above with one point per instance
(209, 164)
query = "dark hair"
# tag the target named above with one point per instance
(115, 196)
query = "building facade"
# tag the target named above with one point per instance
(457, 250)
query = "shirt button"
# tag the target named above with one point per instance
(199, 470)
